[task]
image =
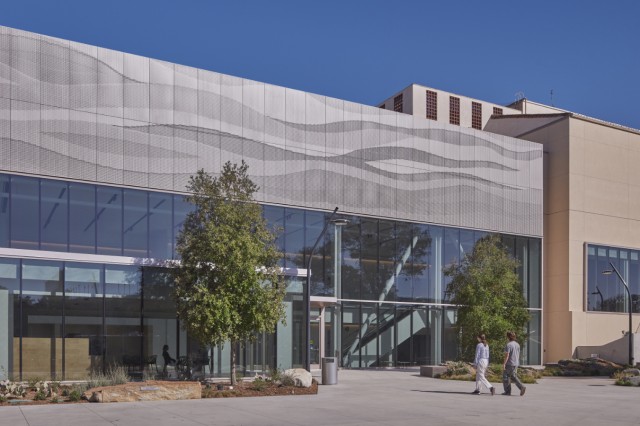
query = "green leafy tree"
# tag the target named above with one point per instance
(488, 294)
(228, 286)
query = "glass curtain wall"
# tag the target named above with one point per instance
(391, 280)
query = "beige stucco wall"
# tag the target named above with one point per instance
(604, 209)
(592, 195)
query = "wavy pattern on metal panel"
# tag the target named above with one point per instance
(69, 110)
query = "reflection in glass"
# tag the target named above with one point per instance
(449, 334)
(159, 324)
(135, 231)
(122, 316)
(350, 332)
(532, 350)
(181, 209)
(4, 210)
(275, 219)
(294, 242)
(83, 310)
(386, 335)
(9, 317)
(109, 221)
(42, 298)
(53, 215)
(422, 264)
(404, 320)
(160, 216)
(82, 218)
(24, 213)
(351, 259)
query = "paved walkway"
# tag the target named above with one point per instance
(367, 397)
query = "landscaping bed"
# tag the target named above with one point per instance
(117, 388)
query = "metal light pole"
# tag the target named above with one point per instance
(307, 294)
(626, 287)
(599, 293)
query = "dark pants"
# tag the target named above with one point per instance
(509, 374)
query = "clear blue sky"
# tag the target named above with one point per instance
(587, 52)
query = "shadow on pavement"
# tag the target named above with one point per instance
(449, 392)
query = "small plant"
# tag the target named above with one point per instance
(9, 388)
(55, 400)
(287, 380)
(75, 395)
(622, 378)
(259, 384)
(40, 396)
(275, 375)
(118, 375)
(54, 386)
(3, 398)
(33, 382)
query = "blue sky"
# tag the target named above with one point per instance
(587, 52)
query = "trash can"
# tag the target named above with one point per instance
(330, 371)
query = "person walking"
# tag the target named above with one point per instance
(510, 365)
(481, 362)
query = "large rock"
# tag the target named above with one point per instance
(146, 391)
(432, 370)
(300, 376)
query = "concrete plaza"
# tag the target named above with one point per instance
(367, 397)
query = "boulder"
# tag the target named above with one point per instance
(300, 376)
(631, 372)
(145, 391)
(634, 380)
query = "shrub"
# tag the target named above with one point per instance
(259, 384)
(75, 395)
(287, 380)
(9, 388)
(275, 375)
(33, 382)
(40, 396)
(3, 398)
(115, 375)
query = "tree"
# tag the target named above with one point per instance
(228, 286)
(488, 294)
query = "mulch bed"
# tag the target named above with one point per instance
(247, 389)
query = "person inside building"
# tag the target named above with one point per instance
(167, 359)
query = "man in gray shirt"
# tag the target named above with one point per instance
(510, 365)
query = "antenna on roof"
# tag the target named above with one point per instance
(551, 94)
(519, 96)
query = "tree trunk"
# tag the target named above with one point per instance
(233, 363)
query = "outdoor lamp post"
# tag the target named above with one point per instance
(307, 291)
(599, 293)
(626, 287)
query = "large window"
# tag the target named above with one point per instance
(59, 216)
(606, 292)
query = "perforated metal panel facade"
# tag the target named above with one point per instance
(74, 111)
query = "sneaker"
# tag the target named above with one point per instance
(523, 390)
(493, 391)
(506, 393)
(475, 392)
